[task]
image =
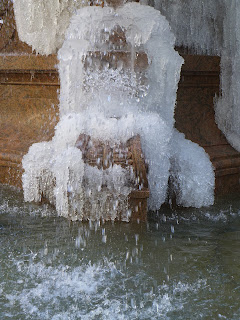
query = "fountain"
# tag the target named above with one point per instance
(182, 263)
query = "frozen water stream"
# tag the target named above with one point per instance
(184, 265)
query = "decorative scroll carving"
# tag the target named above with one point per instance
(102, 155)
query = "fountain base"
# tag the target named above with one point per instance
(195, 117)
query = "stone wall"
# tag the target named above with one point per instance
(29, 108)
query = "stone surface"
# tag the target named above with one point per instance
(29, 109)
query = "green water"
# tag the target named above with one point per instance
(185, 264)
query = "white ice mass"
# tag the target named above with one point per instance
(212, 27)
(106, 94)
(42, 23)
(228, 105)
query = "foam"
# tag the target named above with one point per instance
(91, 291)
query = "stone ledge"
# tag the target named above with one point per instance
(28, 62)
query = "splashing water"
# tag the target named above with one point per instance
(119, 74)
(183, 265)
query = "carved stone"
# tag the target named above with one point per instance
(129, 154)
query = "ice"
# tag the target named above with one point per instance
(112, 102)
(228, 105)
(212, 27)
(196, 24)
(192, 174)
(61, 159)
(42, 24)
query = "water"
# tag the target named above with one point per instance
(182, 265)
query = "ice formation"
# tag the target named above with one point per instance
(196, 24)
(192, 177)
(207, 27)
(42, 23)
(228, 105)
(212, 27)
(119, 74)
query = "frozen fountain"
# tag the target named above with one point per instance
(119, 74)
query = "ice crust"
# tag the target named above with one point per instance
(113, 104)
(212, 27)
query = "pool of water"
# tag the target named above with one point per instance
(184, 264)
